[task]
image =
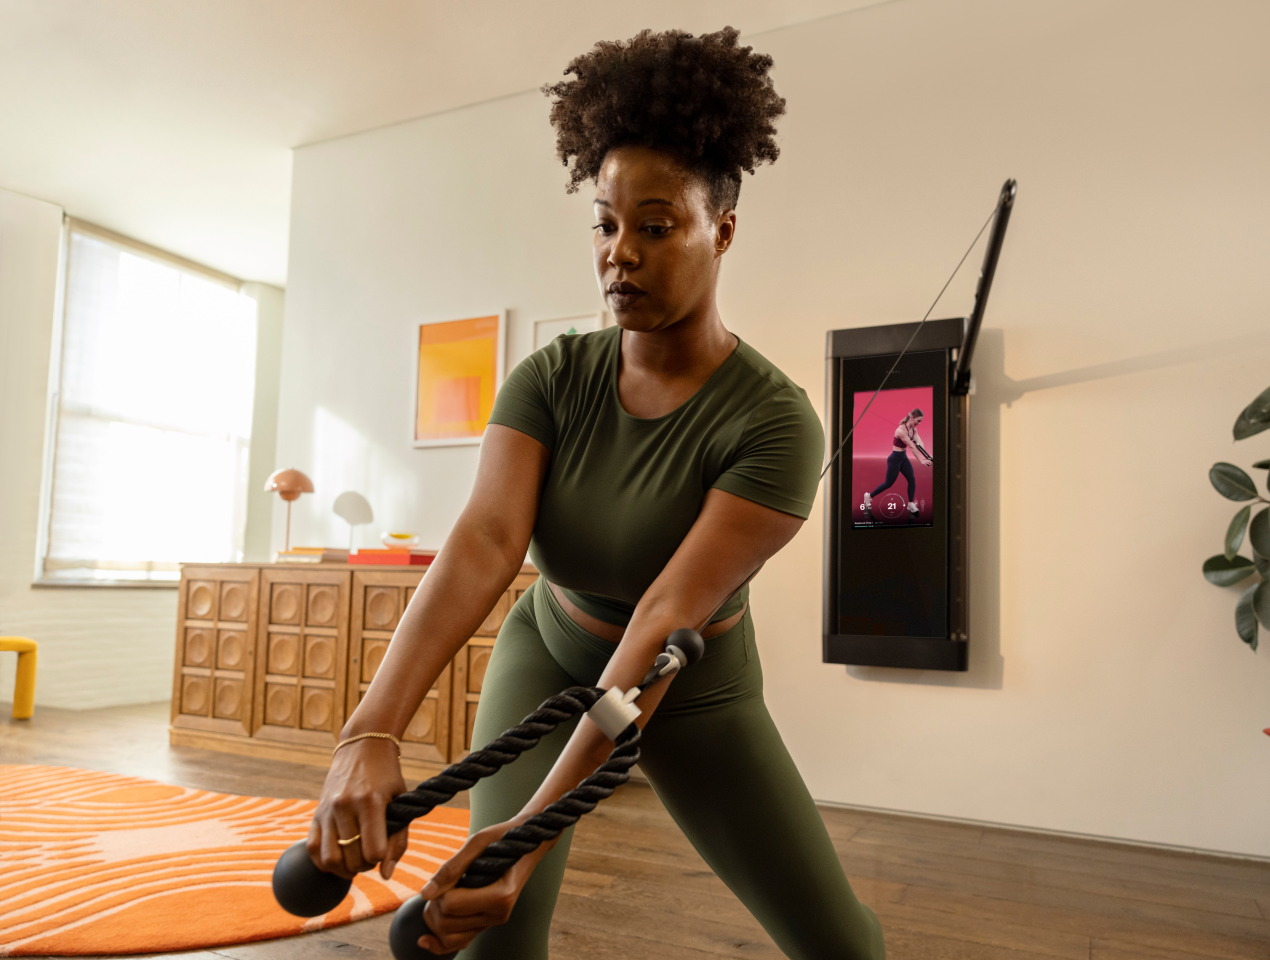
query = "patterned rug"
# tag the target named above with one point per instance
(96, 863)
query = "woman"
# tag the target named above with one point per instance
(649, 468)
(905, 438)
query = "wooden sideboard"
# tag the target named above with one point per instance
(272, 658)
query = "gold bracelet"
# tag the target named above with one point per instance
(363, 736)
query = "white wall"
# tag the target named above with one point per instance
(1108, 693)
(99, 646)
(457, 216)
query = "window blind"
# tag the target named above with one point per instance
(153, 417)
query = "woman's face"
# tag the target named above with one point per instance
(657, 240)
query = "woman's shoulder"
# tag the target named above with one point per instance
(571, 369)
(779, 442)
(546, 385)
(764, 380)
(767, 402)
(575, 352)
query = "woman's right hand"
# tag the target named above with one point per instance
(363, 778)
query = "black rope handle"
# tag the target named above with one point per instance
(302, 889)
(480, 764)
(556, 817)
(554, 711)
(408, 925)
(305, 891)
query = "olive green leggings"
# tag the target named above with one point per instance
(715, 759)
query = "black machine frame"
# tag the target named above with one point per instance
(877, 626)
(857, 360)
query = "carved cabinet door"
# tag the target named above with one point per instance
(470, 666)
(302, 655)
(215, 649)
(379, 600)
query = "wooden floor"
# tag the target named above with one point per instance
(944, 891)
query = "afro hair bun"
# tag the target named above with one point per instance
(703, 99)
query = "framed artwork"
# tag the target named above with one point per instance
(547, 330)
(458, 368)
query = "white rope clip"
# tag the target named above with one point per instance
(677, 660)
(615, 711)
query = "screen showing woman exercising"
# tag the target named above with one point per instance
(891, 477)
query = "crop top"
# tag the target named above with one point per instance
(621, 492)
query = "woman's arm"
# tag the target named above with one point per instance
(731, 538)
(480, 559)
(920, 449)
(914, 442)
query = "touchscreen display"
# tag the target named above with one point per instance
(892, 480)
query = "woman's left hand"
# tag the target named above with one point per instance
(455, 915)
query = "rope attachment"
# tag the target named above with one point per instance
(479, 764)
(557, 817)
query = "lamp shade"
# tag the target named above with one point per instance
(289, 483)
(351, 507)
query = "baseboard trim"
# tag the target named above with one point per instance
(422, 769)
(1046, 832)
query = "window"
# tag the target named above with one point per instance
(153, 404)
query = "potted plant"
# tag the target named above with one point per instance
(1230, 568)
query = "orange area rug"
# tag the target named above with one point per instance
(96, 863)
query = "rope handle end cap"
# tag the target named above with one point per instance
(687, 642)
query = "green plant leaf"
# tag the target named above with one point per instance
(1231, 482)
(1246, 617)
(1235, 532)
(1261, 602)
(1248, 428)
(1262, 465)
(1261, 564)
(1259, 410)
(1259, 533)
(1254, 418)
(1227, 573)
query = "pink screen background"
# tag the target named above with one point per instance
(873, 442)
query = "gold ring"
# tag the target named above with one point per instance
(345, 843)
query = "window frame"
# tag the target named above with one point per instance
(53, 397)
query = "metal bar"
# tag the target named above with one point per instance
(961, 373)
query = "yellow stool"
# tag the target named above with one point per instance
(24, 689)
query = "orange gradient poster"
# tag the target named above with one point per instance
(459, 369)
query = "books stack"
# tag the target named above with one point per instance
(312, 555)
(393, 557)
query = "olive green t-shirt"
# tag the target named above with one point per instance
(622, 492)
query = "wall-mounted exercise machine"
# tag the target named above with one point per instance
(896, 588)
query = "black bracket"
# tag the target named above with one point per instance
(960, 382)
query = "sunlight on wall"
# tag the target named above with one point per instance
(344, 458)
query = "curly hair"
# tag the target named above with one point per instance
(703, 99)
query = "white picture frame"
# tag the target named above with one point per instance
(547, 330)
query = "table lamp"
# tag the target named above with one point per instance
(354, 509)
(289, 483)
